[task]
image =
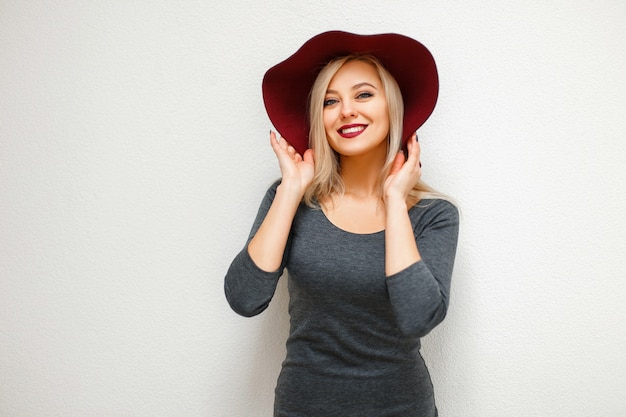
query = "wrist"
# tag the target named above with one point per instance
(395, 202)
(291, 192)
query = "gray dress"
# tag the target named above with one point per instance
(354, 340)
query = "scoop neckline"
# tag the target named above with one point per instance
(334, 226)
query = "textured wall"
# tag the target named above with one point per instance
(133, 154)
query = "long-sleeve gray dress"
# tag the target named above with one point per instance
(354, 340)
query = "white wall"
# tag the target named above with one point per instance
(133, 154)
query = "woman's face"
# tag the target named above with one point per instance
(356, 116)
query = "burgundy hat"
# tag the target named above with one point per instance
(286, 86)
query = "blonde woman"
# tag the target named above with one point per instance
(369, 248)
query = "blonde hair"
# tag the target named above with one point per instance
(327, 180)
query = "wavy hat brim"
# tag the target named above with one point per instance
(286, 86)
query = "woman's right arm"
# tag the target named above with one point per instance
(247, 287)
(252, 277)
(268, 245)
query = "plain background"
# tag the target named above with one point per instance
(134, 153)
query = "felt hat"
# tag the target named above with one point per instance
(286, 86)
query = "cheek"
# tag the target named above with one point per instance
(327, 119)
(385, 117)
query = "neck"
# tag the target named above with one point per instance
(361, 174)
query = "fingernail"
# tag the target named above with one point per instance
(416, 139)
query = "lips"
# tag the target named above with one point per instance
(351, 131)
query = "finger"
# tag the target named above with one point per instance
(278, 140)
(278, 144)
(414, 151)
(274, 142)
(309, 156)
(280, 147)
(283, 143)
(397, 164)
(418, 152)
(415, 146)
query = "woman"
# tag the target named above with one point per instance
(369, 248)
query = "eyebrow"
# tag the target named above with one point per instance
(354, 87)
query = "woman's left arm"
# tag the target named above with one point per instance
(418, 260)
(400, 247)
(419, 294)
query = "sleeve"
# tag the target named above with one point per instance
(248, 288)
(419, 294)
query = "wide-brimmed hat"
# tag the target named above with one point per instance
(286, 86)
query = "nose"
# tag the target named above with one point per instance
(347, 110)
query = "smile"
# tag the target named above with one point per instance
(351, 131)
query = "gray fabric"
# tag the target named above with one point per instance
(353, 346)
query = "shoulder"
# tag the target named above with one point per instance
(270, 192)
(429, 212)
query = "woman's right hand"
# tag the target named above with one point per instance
(297, 171)
(267, 247)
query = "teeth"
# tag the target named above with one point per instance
(353, 129)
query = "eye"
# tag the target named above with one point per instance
(364, 95)
(330, 102)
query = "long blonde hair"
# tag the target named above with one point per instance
(327, 180)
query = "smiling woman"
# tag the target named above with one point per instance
(355, 107)
(369, 247)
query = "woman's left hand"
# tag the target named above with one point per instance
(404, 174)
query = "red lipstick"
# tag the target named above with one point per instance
(351, 131)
